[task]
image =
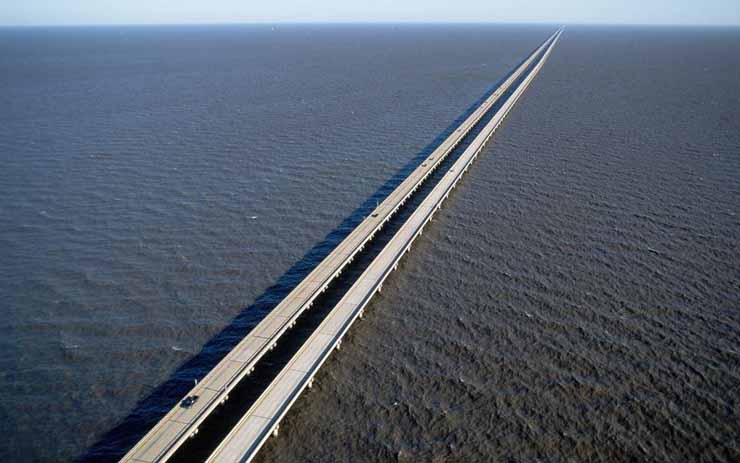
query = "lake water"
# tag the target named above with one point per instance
(575, 300)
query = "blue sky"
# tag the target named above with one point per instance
(74, 12)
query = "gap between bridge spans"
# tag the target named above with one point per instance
(263, 418)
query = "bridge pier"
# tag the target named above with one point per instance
(168, 434)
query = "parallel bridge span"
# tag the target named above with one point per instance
(180, 423)
(263, 418)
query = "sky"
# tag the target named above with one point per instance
(80, 12)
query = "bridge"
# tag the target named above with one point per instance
(263, 417)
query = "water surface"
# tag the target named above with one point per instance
(576, 299)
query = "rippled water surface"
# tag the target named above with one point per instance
(575, 300)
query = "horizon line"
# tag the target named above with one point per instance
(371, 22)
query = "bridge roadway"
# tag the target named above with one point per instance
(181, 422)
(263, 418)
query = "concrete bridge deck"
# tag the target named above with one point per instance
(182, 422)
(263, 418)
